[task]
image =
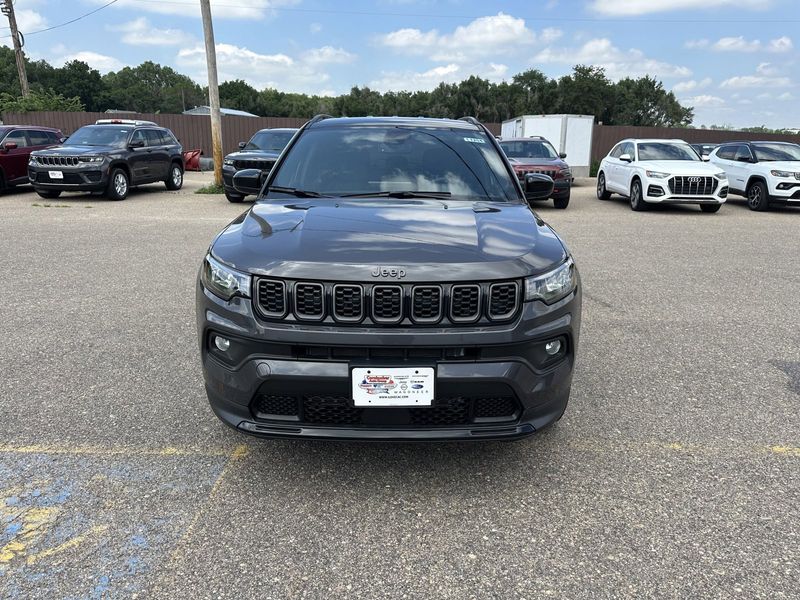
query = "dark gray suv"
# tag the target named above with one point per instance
(390, 283)
(110, 156)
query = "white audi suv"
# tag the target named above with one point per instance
(661, 172)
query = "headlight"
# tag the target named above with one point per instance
(781, 173)
(32, 159)
(224, 281)
(552, 286)
(91, 159)
(721, 175)
(566, 173)
(656, 174)
(228, 161)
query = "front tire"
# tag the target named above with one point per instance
(637, 199)
(235, 198)
(757, 196)
(561, 202)
(174, 180)
(49, 194)
(710, 208)
(602, 192)
(118, 185)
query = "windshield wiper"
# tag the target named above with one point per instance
(400, 194)
(296, 192)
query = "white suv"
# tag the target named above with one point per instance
(661, 172)
(766, 173)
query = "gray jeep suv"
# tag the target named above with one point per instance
(390, 283)
(110, 156)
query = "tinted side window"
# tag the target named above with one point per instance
(17, 137)
(38, 138)
(726, 152)
(138, 135)
(54, 137)
(617, 151)
(167, 138)
(629, 148)
(743, 153)
(153, 137)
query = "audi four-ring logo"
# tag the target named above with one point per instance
(695, 179)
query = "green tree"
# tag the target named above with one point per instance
(151, 87)
(240, 95)
(644, 102)
(37, 101)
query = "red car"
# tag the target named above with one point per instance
(16, 144)
(537, 155)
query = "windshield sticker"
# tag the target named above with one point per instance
(475, 140)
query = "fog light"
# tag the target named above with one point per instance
(223, 343)
(552, 348)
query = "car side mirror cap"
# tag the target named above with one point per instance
(10, 146)
(61, 140)
(562, 155)
(242, 145)
(538, 186)
(706, 157)
(249, 181)
(626, 157)
(136, 144)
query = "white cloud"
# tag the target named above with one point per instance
(101, 62)
(781, 44)
(299, 74)
(240, 9)
(27, 20)
(617, 63)
(550, 35)
(633, 8)
(740, 44)
(427, 80)
(692, 84)
(140, 32)
(751, 81)
(704, 100)
(785, 96)
(766, 68)
(498, 34)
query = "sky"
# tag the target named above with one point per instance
(736, 61)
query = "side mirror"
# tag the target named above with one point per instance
(745, 159)
(706, 157)
(136, 144)
(10, 146)
(61, 140)
(626, 157)
(242, 145)
(562, 155)
(538, 186)
(249, 181)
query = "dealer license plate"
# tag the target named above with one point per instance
(393, 386)
(55, 175)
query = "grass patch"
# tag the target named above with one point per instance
(211, 189)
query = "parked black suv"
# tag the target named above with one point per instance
(110, 156)
(260, 152)
(390, 283)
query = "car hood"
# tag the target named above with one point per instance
(77, 150)
(539, 162)
(782, 165)
(252, 155)
(679, 167)
(346, 240)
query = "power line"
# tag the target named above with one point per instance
(369, 13)
(83, 16)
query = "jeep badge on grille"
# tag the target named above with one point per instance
(396, 272)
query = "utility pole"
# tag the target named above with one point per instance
(213, 90)
(8, 10)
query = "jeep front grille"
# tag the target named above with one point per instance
(387, 303)
(692, 186)
(264, 165)
(58, 161)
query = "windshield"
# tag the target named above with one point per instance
(100, 135)
(270, 141)
(338, 161)
(529, 149)
(666, 151)
(777, 151)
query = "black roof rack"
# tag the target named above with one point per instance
(472, 120)
(317, 118)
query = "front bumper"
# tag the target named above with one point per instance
(489, 383)
(87, 178)
(784, 191)
(658, 191)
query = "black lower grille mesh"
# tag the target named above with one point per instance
(330, 410)
(276, 405)
(494, 407)
(450, 411)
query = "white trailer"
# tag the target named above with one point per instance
(571, 134)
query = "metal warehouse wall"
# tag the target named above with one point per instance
(606, 136)
(194, 131)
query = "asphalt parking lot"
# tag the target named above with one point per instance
(675, 472)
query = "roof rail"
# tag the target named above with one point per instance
(123, 122)
(317, 118)
(472, 120)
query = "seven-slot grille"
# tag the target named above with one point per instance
(264, 165)
(552, 173)
(387, 304)
(58, 161)
(692, 186)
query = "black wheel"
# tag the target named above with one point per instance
(233, 197)
(710, 208)
(174, 180)
(118, 185)
(602, 192)
(561, 202)
(757, 196)
(637, 201)
(50, 194)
